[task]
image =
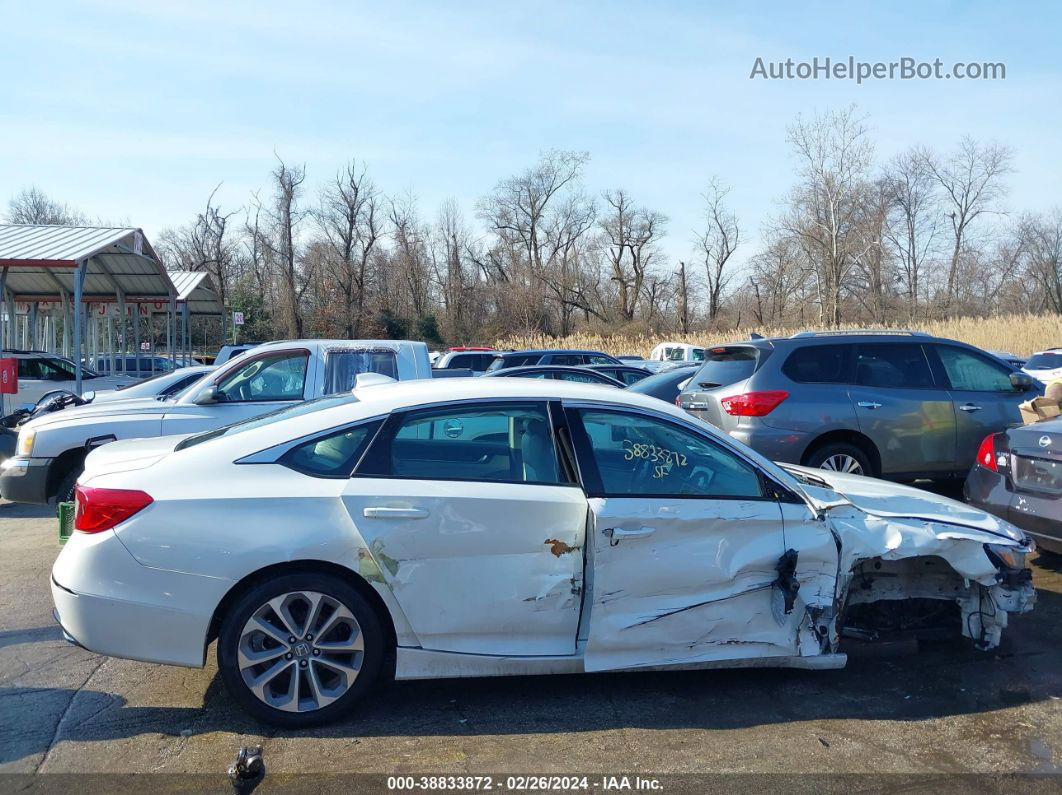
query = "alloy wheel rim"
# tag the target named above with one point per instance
(300, 651)
(842, 463)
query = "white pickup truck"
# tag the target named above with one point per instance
(51, 449)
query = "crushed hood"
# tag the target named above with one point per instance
(897, 501)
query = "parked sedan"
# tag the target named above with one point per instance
(161, 386)
(580, 375)
(1018, 477)
(625, 374)
(501, 526)
(666, 385)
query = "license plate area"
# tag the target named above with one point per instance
(1038, 475)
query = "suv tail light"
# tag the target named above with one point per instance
(992, 454)
(752, 404)
(101, 509)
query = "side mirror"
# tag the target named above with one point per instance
(207, 396)
(1023, 382)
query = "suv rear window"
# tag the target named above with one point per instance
(818, 364)
(727, 365)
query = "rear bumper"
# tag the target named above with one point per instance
(108, 603)
(24, 479)
(1040, 517)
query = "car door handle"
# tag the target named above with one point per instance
(382, 512)
(868, 404)
(969, 407)
(617, 533)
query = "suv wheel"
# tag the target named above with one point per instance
(300, 649)
(841, 457)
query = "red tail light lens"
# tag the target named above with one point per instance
(101, 509)
(986, 453)
(753, 404)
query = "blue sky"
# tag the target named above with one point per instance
(134, 111)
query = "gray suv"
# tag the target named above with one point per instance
(901, 405)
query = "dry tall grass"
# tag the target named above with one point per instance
(1020, 334)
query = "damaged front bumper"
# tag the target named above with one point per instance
(985, 608)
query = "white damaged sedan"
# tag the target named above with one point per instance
(477, 527)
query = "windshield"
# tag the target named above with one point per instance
(1044, 361)
(267, 419)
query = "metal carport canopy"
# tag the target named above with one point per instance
(83, 263)
(195, 289)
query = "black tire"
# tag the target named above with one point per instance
(229, 639)
(819, 457)
(65, 492)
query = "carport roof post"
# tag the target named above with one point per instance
(94, 264)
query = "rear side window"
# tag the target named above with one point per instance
(333, 455)
(509, 443)
(344, 365)
(567, 359)
(818, 364)
(727, 365)
(502, 362)
(597, 359)
(893, 365)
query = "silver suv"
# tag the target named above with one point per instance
(901, 405)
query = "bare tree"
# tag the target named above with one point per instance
(971, 179)
(32, 206)
(1043, 238)
(348, 217)
(286, 215)
(629, 237)
(716, 243)
(206, 244)
(834, 154)
(683, 287)
(914, 221)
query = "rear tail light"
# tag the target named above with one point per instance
(678, 400)
(992, 454)
(101, 509)
(753, 404)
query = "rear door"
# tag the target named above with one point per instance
(685, 542)
(476, 527)
(984, 399)
(903, 409)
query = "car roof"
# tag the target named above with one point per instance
(382, 399)
(551, 350)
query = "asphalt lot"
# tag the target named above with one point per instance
(944, 710)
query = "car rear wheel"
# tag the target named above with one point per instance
(841, 457)
(300, 649)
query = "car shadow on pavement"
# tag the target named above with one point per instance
(21, 510)
(942, 680)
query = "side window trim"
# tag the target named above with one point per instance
(375, 462)
(590, 474)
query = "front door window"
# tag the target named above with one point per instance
(279, 376)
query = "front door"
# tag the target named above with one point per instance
(687, 540)
(476, 527)
(904, 411)
(264, 383)
(984, 398)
